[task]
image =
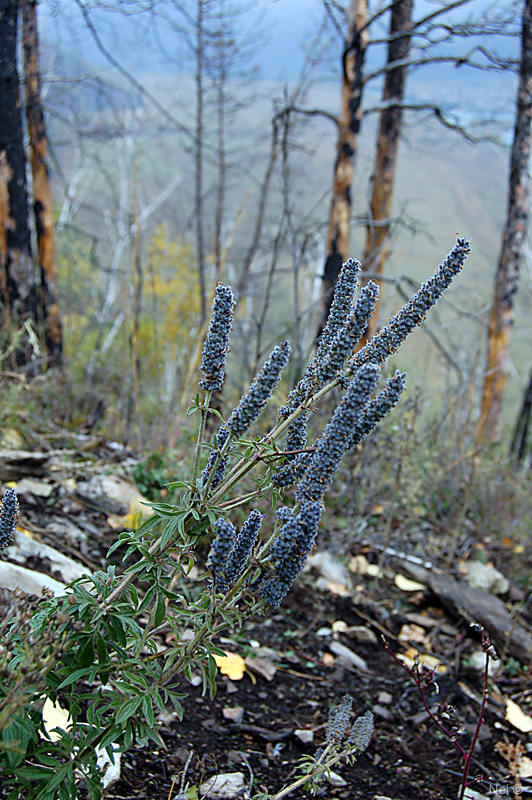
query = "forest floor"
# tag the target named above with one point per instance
(302, 659)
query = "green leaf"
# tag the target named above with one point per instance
(86, 657)
(129, 709)
(160, 610)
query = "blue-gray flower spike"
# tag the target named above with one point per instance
(344, 292)
(8, 517)
(238, 557)
(290, 548)
(343, 344)
(338, 720)
(216, 344)
(220, 548)
(377, 408)
(260, 391)
(361, 732)
(412, 314)
(331, 446)
(221, 438)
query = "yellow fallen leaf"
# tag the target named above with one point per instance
(54, 716)
(377, 510)
(517, 717)
(431, 662)
(519, 549)
(413, 633)
(358, 565)
(374, 571)
(406, 585)
(231, 665)
(11, 484)
(339, 589)
(25, 532)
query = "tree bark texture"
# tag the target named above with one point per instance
(349, 122)
(390, 122)
(17, 279)
(513, 237)
(42, 193)
(519, 445)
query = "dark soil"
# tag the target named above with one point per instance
(408, 757)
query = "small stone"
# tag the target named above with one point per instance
(225, 786)
(335, 779)
(324, 632)
(489, 579)
(305, 736)
(385, 698)
(235, 714)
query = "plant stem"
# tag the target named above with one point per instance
(201, 433)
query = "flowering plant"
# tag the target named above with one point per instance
(99, 646)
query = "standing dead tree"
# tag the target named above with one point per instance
(513, 237)
(25, 297)
(390, 123)
(349, 120)
(42, 191)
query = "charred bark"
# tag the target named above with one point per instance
(390, 122)
(349, 122)
(17, 279)
(42, 193)
(507, 274)
(519, 445)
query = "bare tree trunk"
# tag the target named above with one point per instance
(518, 447)
(42, 194)
(507, 275)
(198, 147)
(349, 121)
(17, 279)
(390, 121)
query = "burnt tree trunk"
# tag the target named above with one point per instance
(518, 447)
(349, 122)
(390, 121)
(42, 194)
(507, 275)
(17, 278)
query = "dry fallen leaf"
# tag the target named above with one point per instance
(429, 661)
(413, 633)
(358, 565)
(54, 717)
(517, 717)
(231, 665)
(525, 767)
(406, 585)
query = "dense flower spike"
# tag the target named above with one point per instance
(338, 720)
(221, 438)
(216, 344)
(238, 558)
(331, 446)
(412, 314)
(377, 408)
(260, 391)
(8, 517)
(361, 732)
(348, 335)
(296, 439)
(220, 548)
(290, 549)
(344, 292)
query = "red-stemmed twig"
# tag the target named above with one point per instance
(423, 681)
